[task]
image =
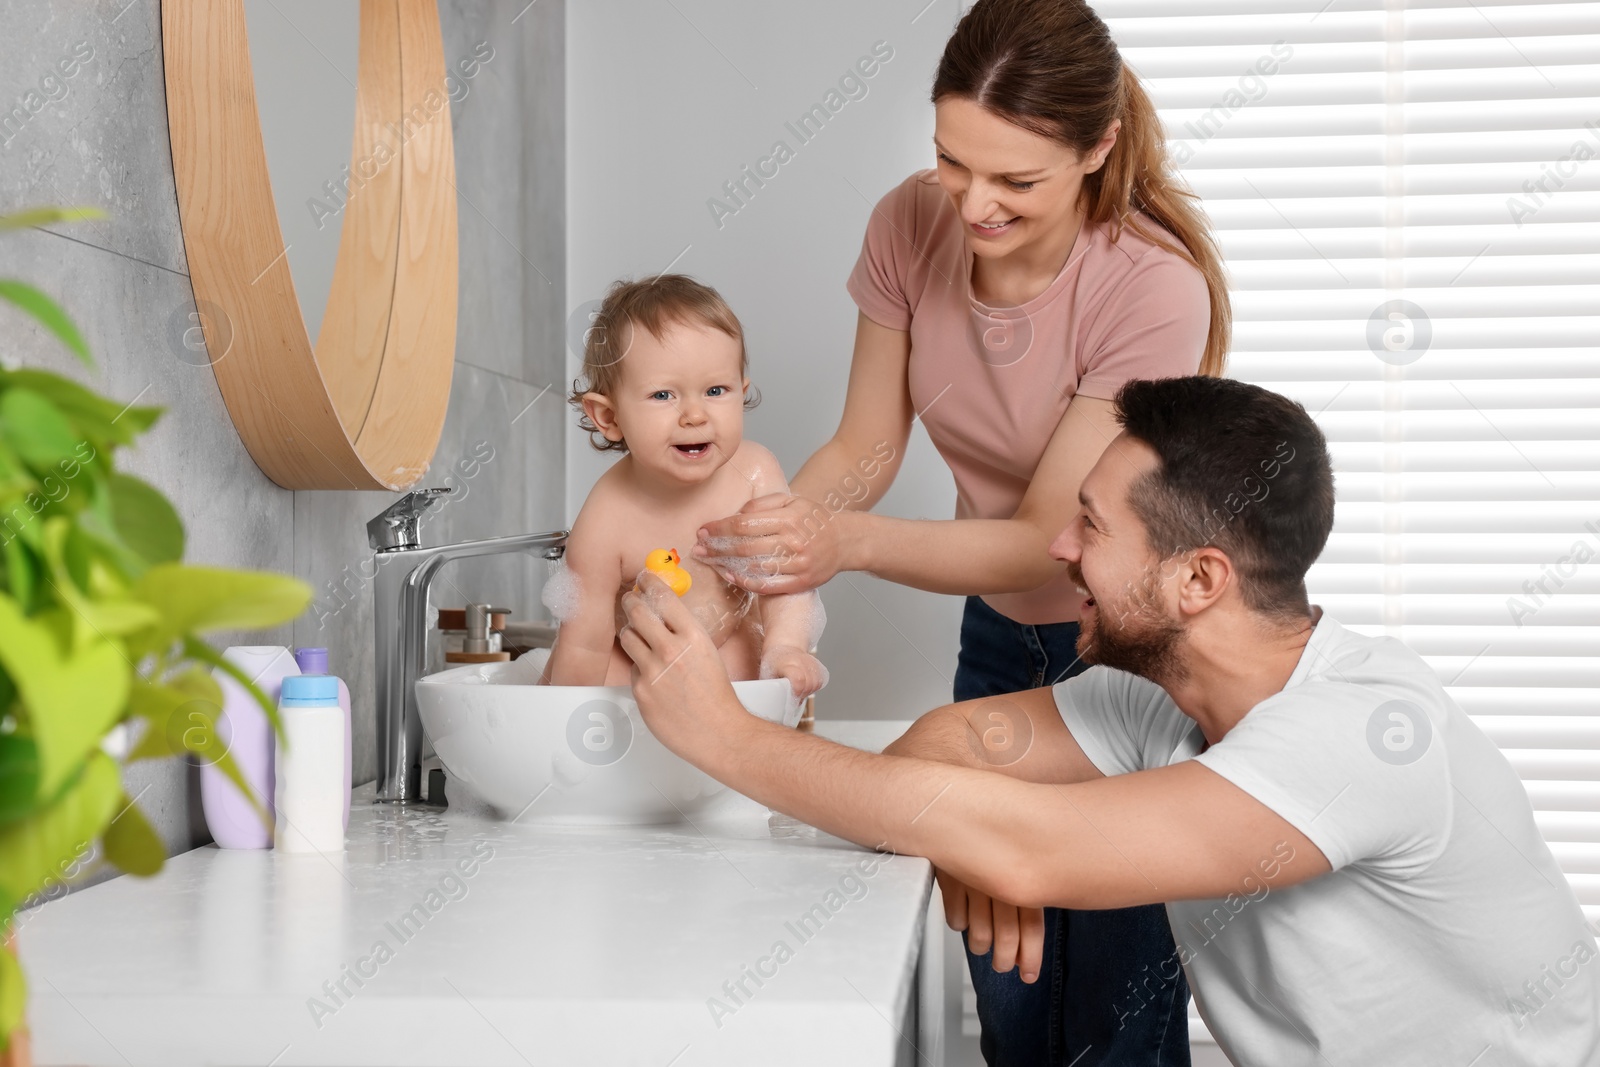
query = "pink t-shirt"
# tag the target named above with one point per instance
(992, 384)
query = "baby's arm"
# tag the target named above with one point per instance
(585, 635)
(791, 623)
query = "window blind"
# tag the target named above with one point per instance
(1407, 196)
(1408, 200)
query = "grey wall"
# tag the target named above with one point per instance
(103, 141)
(666, 102)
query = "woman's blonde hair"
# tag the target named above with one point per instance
(1051, 67)
(653, 305)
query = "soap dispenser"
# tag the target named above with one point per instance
(245, 734)
(315, 661)
(479, 646)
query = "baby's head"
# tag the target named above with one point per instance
(664, 377)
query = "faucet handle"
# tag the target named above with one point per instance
(397, 526)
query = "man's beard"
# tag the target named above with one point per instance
(1133, 636)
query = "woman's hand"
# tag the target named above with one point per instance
(679, 682)
(775, 544)
(1016, 934)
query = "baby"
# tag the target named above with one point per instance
(666, 386)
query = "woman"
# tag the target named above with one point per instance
(1004, 296)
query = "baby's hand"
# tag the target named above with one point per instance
(805, 672)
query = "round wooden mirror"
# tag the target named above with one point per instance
(363, 408)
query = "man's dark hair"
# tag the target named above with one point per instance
(1243, 470)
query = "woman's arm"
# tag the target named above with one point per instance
(975, 557)
(806, 542)
(874, 428)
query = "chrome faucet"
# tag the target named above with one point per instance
(406, 570)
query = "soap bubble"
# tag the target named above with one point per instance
(526, 669)
(754, 569)
(652, 597)
(562, 593)
(817, 622)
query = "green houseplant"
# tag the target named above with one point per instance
(99, 629)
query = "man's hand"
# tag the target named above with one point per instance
(1016, 934)
(805, 672)
(679, 681)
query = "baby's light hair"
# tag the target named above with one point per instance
(654, 305)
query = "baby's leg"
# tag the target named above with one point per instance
(619, 671)
(741, 652)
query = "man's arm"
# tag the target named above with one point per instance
(1172, 833)
(1021, 735)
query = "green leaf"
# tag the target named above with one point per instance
(98, 417)
(38, 851)
(99, 609)
(43, 216)
(13, 995)
(22, 572)
(182, 717)
(108, 547)
(131, 844)
(197, 649)
(49, 314)
(36, 429)
(186, 702)
(69, 701)
(19, 776)
(145, 521)
(198, 599)
(15, 480)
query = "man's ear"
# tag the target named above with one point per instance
(599, 409)
(1204, 578)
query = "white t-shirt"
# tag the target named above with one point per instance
(1445, 933)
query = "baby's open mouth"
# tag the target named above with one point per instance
(694, 450)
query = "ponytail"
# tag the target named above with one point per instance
(1051, 67)
(1135, 178)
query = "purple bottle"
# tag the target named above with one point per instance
(246, 734)
(315, 661)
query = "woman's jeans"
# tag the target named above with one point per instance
(1110, 991)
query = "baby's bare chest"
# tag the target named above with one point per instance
(720, 607)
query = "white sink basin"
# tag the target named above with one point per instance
(568, 753)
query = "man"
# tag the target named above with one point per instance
(1351, 868)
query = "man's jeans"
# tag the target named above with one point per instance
(1110, 991)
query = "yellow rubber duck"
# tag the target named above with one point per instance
(666, 564)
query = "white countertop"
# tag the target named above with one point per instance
(561, 946)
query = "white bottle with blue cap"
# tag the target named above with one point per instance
(309, 790)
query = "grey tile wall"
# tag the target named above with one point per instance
(102, 140)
